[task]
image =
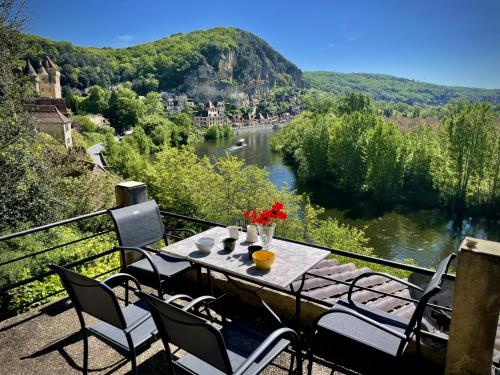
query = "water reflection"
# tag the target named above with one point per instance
(425, 235)
(257, 152)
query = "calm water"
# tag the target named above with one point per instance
(424, 235)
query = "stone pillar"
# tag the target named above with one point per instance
(476, 305)
(130, 192)
(126, 194)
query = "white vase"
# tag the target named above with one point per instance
(266, 234)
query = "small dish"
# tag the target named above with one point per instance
(263, 259)
(252, 249)
(205, 244)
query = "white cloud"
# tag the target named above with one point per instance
(125, 37)
(331, 45)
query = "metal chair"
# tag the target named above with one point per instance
(126, 329)
(138, 226)
(233, 349)
(376, 328)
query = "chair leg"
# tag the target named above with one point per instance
(298, 353)
(292, 362)
(85, 351)
(133, 357)
(310, 354)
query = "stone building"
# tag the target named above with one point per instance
(175, 103)
(53, 122)
(49, 107)
(213, 114)
(46, 79)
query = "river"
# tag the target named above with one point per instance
(425, 235)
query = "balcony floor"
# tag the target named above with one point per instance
(47, 341)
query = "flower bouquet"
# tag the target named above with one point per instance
(266, 221)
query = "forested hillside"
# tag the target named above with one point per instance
(225, 62)
(392, 89)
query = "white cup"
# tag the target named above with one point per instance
(252, 235)
(234, 231)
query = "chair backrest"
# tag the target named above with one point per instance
(91, 296)
(190, 333)
(138, 225)
(432, 289)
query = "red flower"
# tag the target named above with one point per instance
(266, 217)
(277, 206)
(282, 215)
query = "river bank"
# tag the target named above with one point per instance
(250, 129)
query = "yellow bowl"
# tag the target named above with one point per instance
(263, 259)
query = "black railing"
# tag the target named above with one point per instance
(191, 220)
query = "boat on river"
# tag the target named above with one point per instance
(240, 142)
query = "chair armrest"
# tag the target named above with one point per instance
(202, 299)
(148, 257)
(179, 296)
(294, 338)
(115, 279)
(367, 274)
(374, 323)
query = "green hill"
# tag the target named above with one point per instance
(392, 89)
(225, 62)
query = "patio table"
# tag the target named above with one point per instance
(291, 263)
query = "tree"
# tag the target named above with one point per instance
(27, 187)
(158, 128)
(354, 102)
(125, 109)
(183, 127)
(153, 104)
(96, 101)
(384, 168)
(348, 140)
(145, 85)
(71, 102)
(469, 138)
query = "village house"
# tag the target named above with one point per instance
(213, 114)
(49, 108)
(53, 122)
(98, 119)
(175, 103)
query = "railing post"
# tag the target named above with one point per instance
(126, 194)
(130, 192)
(476, 304)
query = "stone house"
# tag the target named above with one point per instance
(213, 114)
(53, 122)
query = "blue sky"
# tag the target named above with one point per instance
(454, 42)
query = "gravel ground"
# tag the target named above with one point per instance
(47, 341)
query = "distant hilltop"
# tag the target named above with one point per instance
(390, 89)
(220, 63)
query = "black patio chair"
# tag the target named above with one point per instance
(138, 226)
(126, 329)
(376, 328)
(234, 349)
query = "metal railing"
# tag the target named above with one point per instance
(192, 221)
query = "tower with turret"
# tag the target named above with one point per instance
(46, 79)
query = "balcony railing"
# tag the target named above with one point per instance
(169, 218)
